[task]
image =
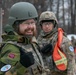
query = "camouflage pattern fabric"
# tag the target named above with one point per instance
(48, 15)
(66, 47)
(10, 54)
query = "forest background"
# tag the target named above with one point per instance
(65, 11)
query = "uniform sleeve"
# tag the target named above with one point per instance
(69, 51)
(10, 54)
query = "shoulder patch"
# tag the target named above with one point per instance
(11, 55)
(71, 48)
(5, 68)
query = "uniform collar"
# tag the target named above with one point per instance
(18, 38)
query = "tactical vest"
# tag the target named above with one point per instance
(35, 69)
(59, 57)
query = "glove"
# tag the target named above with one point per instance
(26, 59)
(47, 48)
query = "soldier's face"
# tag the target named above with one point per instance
(27, 27)
(47, 26)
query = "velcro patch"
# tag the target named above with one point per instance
(5, 68)
(11, 55)
(71, 48)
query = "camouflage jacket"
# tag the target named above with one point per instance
(66, 47)
(10, 54)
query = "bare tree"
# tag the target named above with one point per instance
(57, 6)
(63, 15)
(57, 10)
(72, 15)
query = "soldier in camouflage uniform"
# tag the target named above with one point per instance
(19, 53)
(47, 40)
(73, 40)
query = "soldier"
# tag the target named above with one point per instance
(19, 53)
(73, 40)
(57, 50)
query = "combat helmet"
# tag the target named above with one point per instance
(22, 11)
(47, 16)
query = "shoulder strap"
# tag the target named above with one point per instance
(38, 54)
(60, 36)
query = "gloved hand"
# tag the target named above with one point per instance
(47, 48)
(26, 59)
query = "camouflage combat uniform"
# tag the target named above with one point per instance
(73, 40)
(10, 54)
(22, 21)
(66, 44)
(51, 38)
